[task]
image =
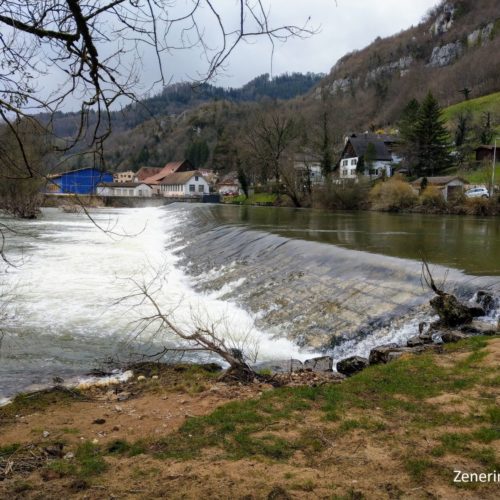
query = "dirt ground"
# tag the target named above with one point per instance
(357, 465)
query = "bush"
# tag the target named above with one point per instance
(392, 196)
(346, 196)
(432, 198)
(480, 206)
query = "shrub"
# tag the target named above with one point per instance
(392, 196)
(479, 206)
(432, 197)
(346, 196)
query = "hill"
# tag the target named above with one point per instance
(476, 109)
(454, 48)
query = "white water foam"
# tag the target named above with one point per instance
(74, 278)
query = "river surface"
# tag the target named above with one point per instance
(281, 283)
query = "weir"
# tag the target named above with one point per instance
(294, 296)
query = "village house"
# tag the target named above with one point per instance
(229, 185)
(127, 176)
(144, 172)
(168, 169)
(308, 166)
(136, 189)
(450, 186)
(182, 184)
(371, 155)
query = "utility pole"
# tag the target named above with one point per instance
(493, 166)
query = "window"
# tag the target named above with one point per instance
(354, 161)
(201, 188)
(192, 188)
(196, 178)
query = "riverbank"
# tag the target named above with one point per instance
(392, 431)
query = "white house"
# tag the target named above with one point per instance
(183, 184)
(136, 189)
(369, 154)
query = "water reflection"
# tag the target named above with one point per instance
(471, 244)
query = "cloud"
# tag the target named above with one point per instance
(344, 26)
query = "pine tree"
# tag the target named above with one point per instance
(407, 123)
(432, 141)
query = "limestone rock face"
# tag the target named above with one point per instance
(352, 365)
(444, 20)
(446, 54)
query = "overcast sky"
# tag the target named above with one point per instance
(345, 25)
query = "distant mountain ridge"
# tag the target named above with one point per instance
(179, 97)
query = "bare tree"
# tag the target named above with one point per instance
(97, 45)
(203, 333)
(271, 138)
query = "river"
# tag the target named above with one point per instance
(295, 283)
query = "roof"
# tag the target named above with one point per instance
(122, 184)
(485, 146)
(145, 172)
(360, 145)
(439, 181)
(168, 169)
(180, 177)
(60, 174)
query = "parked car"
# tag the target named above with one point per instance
(477, 192)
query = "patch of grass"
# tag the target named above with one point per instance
(38, 401)
(417, 467)
(90, 460)
(486, 457)
(255, 199)
(63, 468)
(123, 447)
(476, 107)
(307, 485)
(70, 430)
(493, 414)
(7, 450)
(486, 434)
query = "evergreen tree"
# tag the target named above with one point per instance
(243, 179)
(407, 122)
(432, 141)
(197, 153)
(486, 133)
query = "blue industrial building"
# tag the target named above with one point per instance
(81, 181)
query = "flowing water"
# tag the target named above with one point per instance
(295, 283)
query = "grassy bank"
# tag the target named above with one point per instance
(392, 431)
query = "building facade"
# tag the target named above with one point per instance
(371, 155)
(81, 181)
(135, 189)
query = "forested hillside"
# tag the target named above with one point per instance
(453, 53)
